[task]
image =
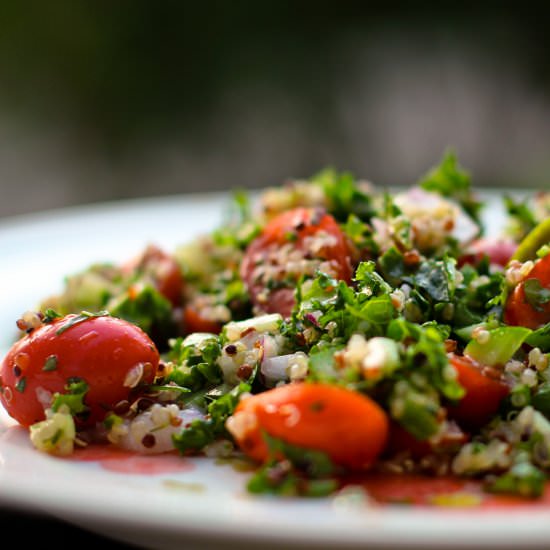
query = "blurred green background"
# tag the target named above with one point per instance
(111, 100)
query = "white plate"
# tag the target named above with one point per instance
(206, 505)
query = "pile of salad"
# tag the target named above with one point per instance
(328, 327)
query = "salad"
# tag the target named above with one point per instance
(326, 329)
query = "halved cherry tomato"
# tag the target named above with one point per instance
(499, 251)
(159, 268)
(518, 310)
(484, 392)
(271, 264)
(111, 355)
(348, 426)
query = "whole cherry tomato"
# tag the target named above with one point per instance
(518, 310)
(349, 427)
(160, 269)
(292, 244)
(484, 391)
(110, 355)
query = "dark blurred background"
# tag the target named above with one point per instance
(109, 100)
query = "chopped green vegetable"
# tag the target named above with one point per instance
(535, 294)
(523, 479)
(449, 180)
(80, 318)
(535, 239)
(302, 472)
(498, 347)
(73, 399)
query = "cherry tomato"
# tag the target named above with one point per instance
(518, 310)
(290, 244)
(193, 321)
(401, 440)
(161, 270)
(348, 426)
(484, 392)
(499, 251)
(111, 355)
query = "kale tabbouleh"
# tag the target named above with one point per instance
(328, 327)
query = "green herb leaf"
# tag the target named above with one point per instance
(80, 318)
(416, 411)
(368, 278)
(449, 180)
(238, 226)
(344, 195)
(50, 363)
(315, 464)
(222, 408)
(196, 362)
(540, 338)
(541, 399)
(294, 471)
(362, 235)
(149, 310)
(522, 479)
(535, 294)
(202, 432)
(50, 315)
(194, 437)
(21, 384)
(76, 390)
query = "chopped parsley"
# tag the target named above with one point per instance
(50, 363)
(73, 398)
(80, 318)
(385, 306)
(21, 384)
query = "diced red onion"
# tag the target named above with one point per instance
(313, 319)
(275, 368)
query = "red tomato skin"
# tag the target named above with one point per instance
(483, 394)
(401, 440)
(300, 222)
(100, 350)
(193, 321)
(499, 251)
(281, 300)
(349, 427)
(162, 270)
(518, 310)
